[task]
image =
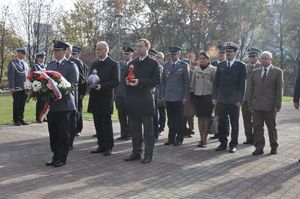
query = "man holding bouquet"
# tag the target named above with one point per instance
(60, 110)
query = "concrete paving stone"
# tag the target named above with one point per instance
(175, 172)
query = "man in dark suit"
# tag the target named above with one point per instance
(297, 90)
(121, 94)
(101, 98)
(39, 66)
(140, 101)
(221, 56)
(228, 95)
(266, 88)
(174, 90)
(247, 114)
(82, 86)
(59, 116)
(17, 71)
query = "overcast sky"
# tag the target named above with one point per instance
(67, 5)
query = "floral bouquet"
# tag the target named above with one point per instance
(46, 85)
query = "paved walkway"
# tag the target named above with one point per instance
(176, 172)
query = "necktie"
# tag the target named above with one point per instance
(23, 67)
(173, 65)
(228, 64)
(57, 64)
(264, 75)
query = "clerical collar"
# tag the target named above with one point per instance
(103, 58)
(142, 58)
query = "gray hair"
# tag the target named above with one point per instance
(161, 54)
(103, 43)
(268, 53)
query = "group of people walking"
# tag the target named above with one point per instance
(145, 88)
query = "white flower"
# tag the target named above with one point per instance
(60, 86)
(48, 85)
(36, 86)
(27, 85)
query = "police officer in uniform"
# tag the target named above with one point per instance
(17, 71)
(74, 114)
(228, 95)
(254, 63)
(82, 86)
(221, 55)
(121, 94)
(174, 90)
(39, 66)
(59, 123)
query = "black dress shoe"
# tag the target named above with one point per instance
(98, 150)
(107, 152)
(273, 151)
(177, 143)
(214, 137)
(50, 163)
(17, 124)
(133, 157)
(58, 163)
(168, 143)
(248, 142)
(221, 147)
(232, 150)
(147, 160)
(201, 144)
(78, 134)
(23, 123)
(257, 152)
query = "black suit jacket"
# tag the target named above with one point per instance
(101, 101)
(140, 98)
(229, 83)
(297, 86)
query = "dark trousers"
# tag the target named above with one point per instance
(39, 107)
(59, 132)
(161, 117)
(259, 118)
(233, 111)
(248, 122)
(226, 123)
(156, 121)
(19, 100)
(175, 121)
(188, 120)
(73, 124)
(104, 131)
(122, 115)
(136, 124)
(79, 117)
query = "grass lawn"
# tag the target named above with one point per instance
(29, 115)
(6, 109)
